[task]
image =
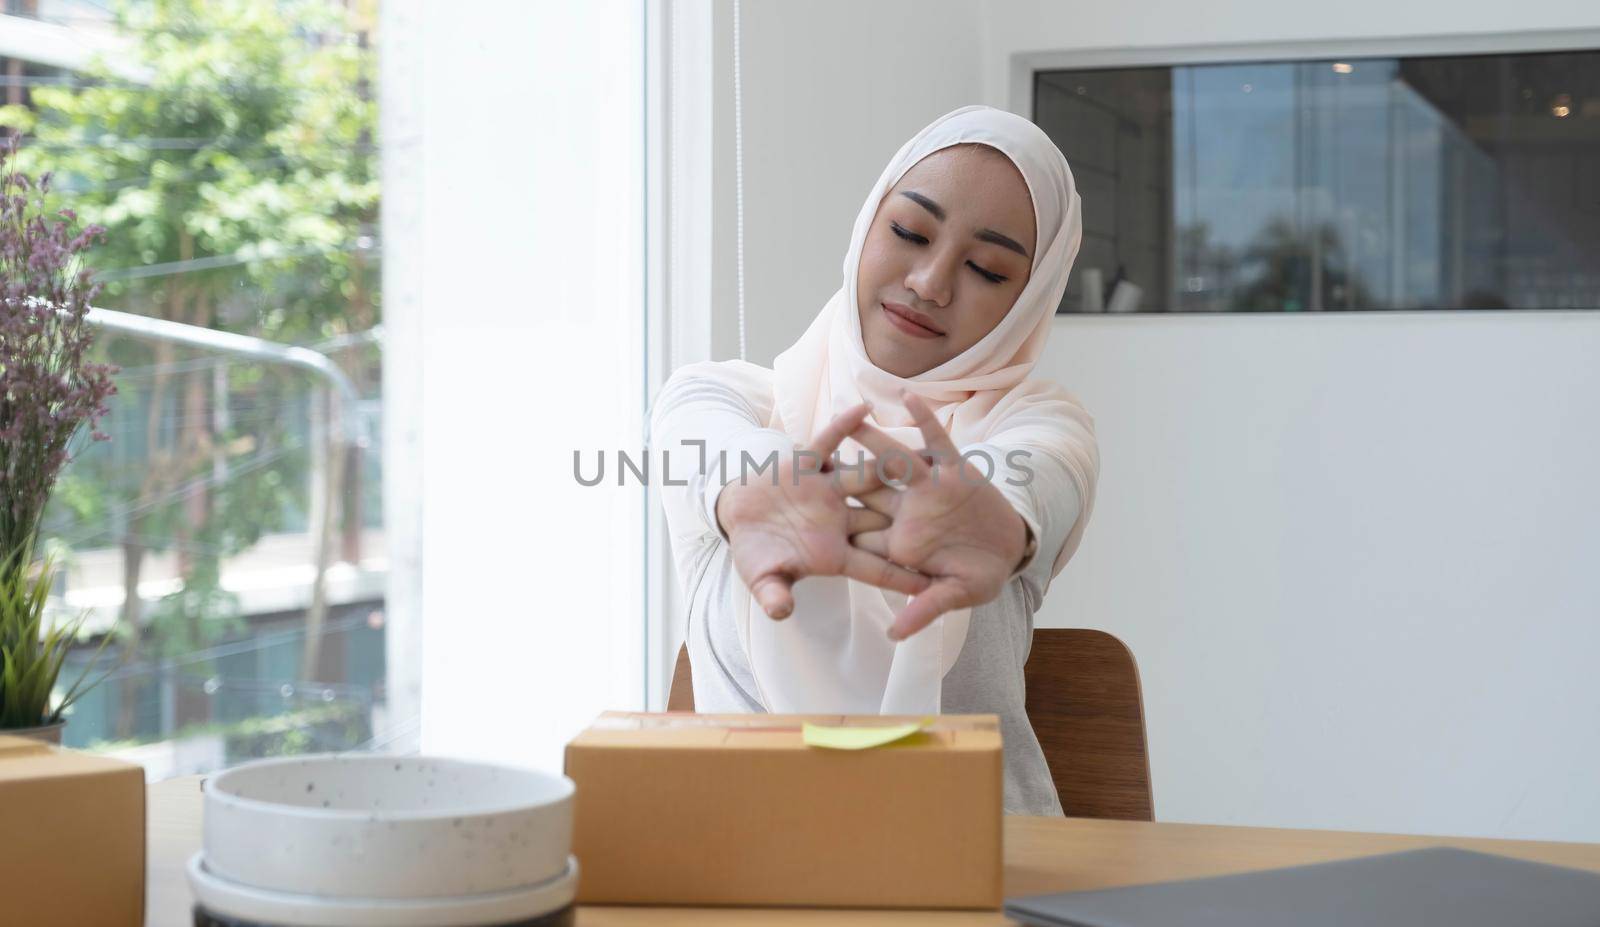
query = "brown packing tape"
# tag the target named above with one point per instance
(638, 730)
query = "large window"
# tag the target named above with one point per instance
(1463, 182)
(229, 537)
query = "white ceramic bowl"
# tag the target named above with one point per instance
(367, 826)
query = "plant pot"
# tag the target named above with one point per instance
(48, 733)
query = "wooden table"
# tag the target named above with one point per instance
(1042, 855)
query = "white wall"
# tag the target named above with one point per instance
(1354, 555)
(1355, 558)
(514, 238)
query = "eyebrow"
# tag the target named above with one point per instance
(989, 235)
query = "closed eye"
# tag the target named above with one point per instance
(908, 236)
(916, 239)
(987, 275)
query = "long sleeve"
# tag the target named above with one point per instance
(1041, 489)
(724, 404)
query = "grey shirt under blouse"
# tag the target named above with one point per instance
(987, 676)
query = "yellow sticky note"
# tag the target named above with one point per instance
(858, 738)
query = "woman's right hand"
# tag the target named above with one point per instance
(799, 525)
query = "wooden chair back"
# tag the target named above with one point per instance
(1085, 706)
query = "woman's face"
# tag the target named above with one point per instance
(951, 245)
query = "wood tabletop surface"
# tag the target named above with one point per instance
(1042, 855)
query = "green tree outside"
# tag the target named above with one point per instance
(237, 176)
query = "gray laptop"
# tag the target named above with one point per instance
(1433, 887)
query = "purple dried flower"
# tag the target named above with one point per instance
(48, 385)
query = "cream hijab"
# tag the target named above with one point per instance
(832, 654)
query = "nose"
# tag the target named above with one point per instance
(932, 278)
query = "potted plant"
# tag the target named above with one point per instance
(48, 389)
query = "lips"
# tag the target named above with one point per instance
(911, 321)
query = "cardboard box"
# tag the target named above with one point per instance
(71, 837)
(690, 809)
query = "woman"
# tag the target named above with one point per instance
(956, 264)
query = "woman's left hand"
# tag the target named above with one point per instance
(947, 522)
